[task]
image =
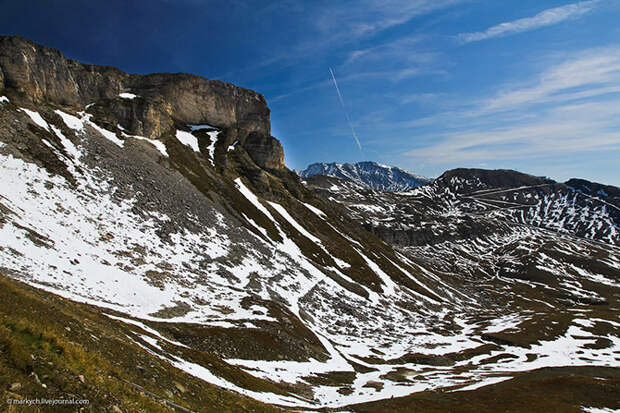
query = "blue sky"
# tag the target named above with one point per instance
(428, 85)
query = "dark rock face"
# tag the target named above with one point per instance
(143, 117)
(41, 73)
(196, 100)
(606, 192)
(36, 73)
(265, 150)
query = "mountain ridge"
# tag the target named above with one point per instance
(369, 174)
(515, 195)
(171, 97)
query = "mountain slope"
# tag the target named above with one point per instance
(477, 224)
(182, 227)
(368, 174)
(79, 353)
(193, 225)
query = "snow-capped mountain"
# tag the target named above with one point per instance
(161, 205)
(491, 198)
(369, 174)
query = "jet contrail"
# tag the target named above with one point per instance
(359, 145)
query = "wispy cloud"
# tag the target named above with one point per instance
(391, 74)
(409, 48)
(565, 130)
(573, 107)
(424, 98)
(324, 26)
(399, 59)
(545, 18)
(365, 17)
(588, 74)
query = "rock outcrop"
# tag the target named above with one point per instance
(607, 193)
(264, 150)
(145, 105)
(29, 71)
(492, 178)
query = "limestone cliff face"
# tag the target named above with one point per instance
(38, 73)
(31, 73)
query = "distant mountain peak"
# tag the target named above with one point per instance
(369, 174)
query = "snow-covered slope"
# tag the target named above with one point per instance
(112, 220)
(369, 174)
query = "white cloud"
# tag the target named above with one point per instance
(571, 108)
(545, 18)
(398, 59)
(364, 17)
(593, 73)
(328, 25)
(424, 98)
(565, 130)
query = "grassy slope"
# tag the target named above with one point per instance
(55, 341)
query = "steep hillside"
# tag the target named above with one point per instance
(55, 349)
(368, 174)
(161, 207)
(607, 193)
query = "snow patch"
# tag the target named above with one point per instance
(284, 213)
(36, 118)
(71, 121)
(157, 144)
(188, 139)
(599, 410)
(78, 124)
(315, 210)
(211, 147)
(69, 146)
(111, 136)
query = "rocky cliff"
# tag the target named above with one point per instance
(145, 105)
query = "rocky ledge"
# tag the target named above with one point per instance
(145, 105)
